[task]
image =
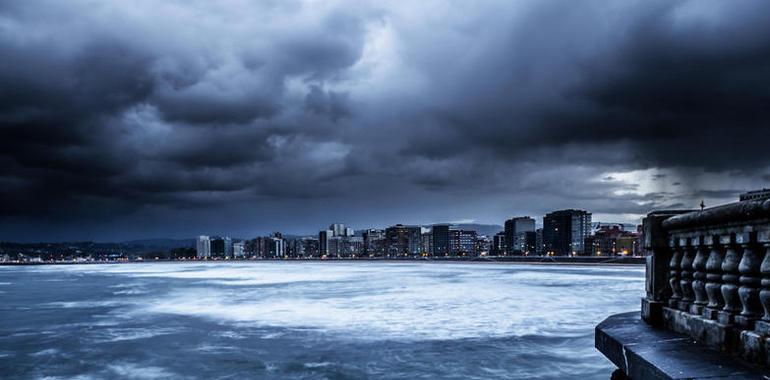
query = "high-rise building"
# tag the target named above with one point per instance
(498, 244)
(303, 247)
(339, 229)
(256, 247)
(345, 246)
(339, 241)
(221, 246)
(539, 241)
(323, 241)
(374, 243)
(440, 237)
(515, 234)
(525, 242)
(426, 244)
(403, 240)
(462, 243)
(203, 247)
(309, 247)
(275, 246)
(238, 249)
(565, 232)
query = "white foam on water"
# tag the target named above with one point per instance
(214, 348)
(46, 352)
(231, 335)
(84, 304)
(135, 371)
(406, 301)
(313, 365)
(123, 334)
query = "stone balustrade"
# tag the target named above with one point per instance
(708, 276)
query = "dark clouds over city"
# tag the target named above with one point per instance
(121, 120)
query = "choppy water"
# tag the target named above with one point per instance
(309, 320)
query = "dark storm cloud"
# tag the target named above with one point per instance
(145, 108)
(668, 84)
(330, 103)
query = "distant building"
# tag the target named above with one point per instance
(755, 195)
(515, 234)
(275, 246)
(339, 241)
(339, 229)
(238, 249)
(294, 248)
(591, 246)
(613, 239)
(374, 243)
(483, 245)
(462, 243)
(346, 246)
(565, 232)
(626, 245)
(309, 247)
(539, 242)
(255, 247)
(525, 242)
(639, 247)
(323, 241)
(221, 246)
(440, 238)
(498, 244)
(426, 244)
(203, 247)
(302, 247)
(403, 240)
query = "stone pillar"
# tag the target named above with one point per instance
(763, 326)
(658, 258)
(699, 275)
(730, 277)
(714, 278)
(685, 282)
(674, 276)
(749, 280)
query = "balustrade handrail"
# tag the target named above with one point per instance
(729, 213)
(708, 275)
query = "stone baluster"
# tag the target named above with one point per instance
(749, 280)
(673, 278)
(763, 326)
(685, 274)
(714, 278)
(699, 275)
(730, 277)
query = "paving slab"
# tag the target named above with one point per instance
(645, 352)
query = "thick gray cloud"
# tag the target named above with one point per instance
(120, 120)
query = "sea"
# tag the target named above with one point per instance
(309, 320)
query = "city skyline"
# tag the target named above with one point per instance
(122, 121)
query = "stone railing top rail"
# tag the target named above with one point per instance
(729, 213)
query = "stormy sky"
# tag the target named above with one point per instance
(134, 119)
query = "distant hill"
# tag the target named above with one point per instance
(625, 226)
(161, 243)
(481, 229)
